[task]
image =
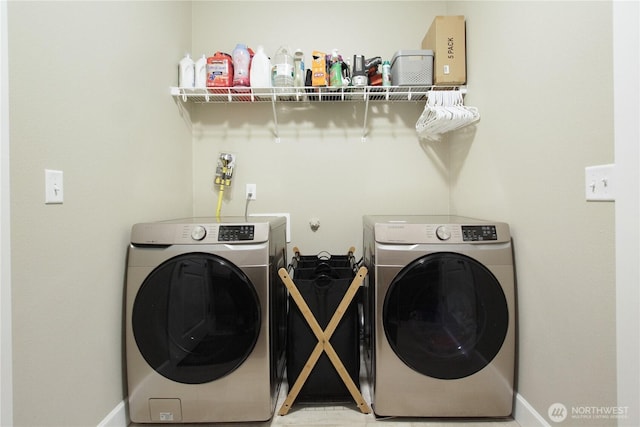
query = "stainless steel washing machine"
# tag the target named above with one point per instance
(440, 316)
(205, 319)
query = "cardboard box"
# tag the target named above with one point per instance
(447, 39)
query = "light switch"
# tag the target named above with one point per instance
(600, 183)
(53, 187)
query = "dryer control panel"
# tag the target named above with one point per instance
(436, 229)
(479, 233)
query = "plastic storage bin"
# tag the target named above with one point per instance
(412, 68)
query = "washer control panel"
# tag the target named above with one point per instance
(236, 233)
(199, 233)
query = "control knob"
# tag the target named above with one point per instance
(443, 233)
(198, 232)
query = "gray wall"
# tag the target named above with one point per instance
(88, 96)
(541, 75)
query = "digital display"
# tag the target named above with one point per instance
(234, 233)
(478, 233)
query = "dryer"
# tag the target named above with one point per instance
(440, 316)
(205, 317)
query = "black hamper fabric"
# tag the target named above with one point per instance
(323, 288)
(313, 261)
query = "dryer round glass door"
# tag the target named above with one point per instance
(445, 315)
(196, 318)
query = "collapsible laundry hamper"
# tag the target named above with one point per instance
(323, 341)
(345, 266)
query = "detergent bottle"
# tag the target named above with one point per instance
(260, 72)
(219, 70)
(186, 72)
(335, 72)
(241, 59)
(386, 73)
(201, 72)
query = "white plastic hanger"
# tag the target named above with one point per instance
(445, 112)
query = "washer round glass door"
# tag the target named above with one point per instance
(196, 318)
(445, 315)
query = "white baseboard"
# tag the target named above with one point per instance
(526, 415)
(117, 417)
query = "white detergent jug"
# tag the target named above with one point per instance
(260, 73)
(201, 72)
(186, 72)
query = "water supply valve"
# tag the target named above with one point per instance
(224, 173)
(224, 169)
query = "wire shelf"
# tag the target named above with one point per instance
(307, 94)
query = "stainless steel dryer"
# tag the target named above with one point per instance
(440, 316)
(205, 319)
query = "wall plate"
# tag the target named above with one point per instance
(53, 187)
(600, 183)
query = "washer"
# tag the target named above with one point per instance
(439, 316)
(205, 319)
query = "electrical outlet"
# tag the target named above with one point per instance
(53, 188)
(251, 192)
(600, 183)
